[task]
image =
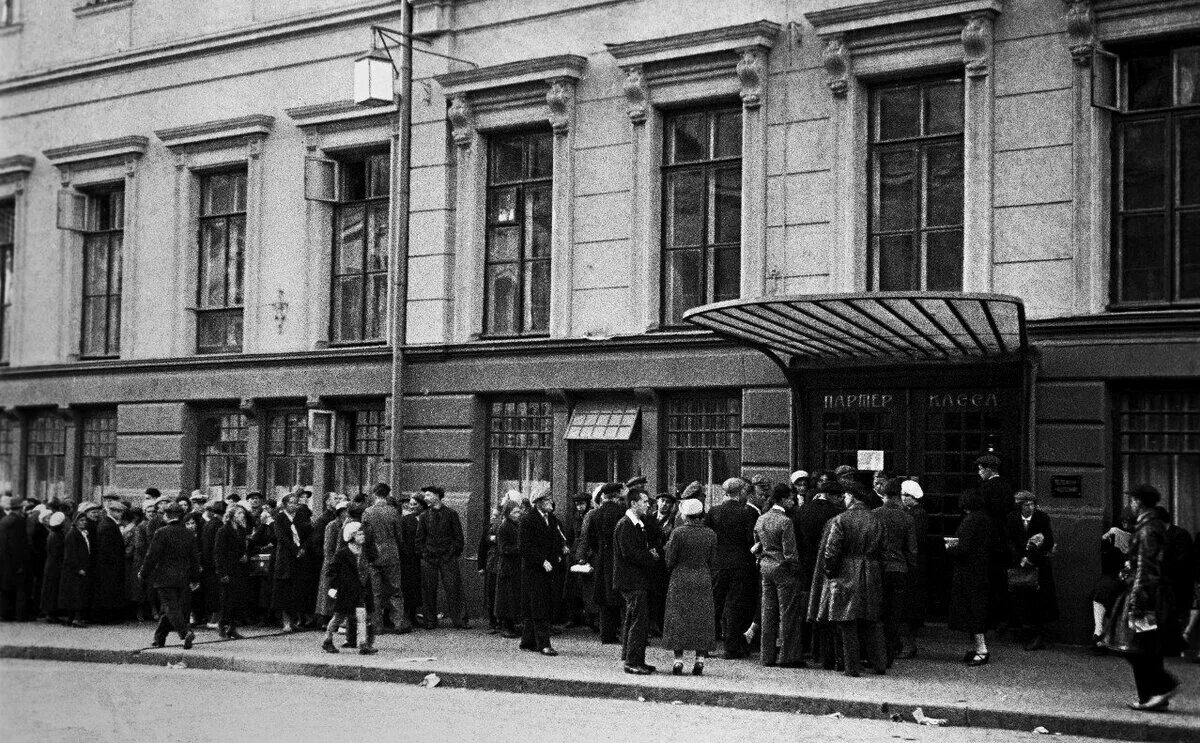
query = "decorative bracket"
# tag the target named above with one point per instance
(560, 99)
(1081, 31)
(280, 305)
(462, 121)
(751, 72)
(836, 61)
(977, 44)
(637, 95)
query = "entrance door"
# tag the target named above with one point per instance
(932, 434)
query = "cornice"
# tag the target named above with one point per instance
(891, 12)
(1148, 324)
(542, 69)
(133, 145)
(210, 131)
(96, 7)
(1117, 9)
(16, 165)
(729, 38)
(369, 10)
(318, 114)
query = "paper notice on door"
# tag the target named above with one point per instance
(870, 459)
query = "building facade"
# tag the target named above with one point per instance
(195, 220)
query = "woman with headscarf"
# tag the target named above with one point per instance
(74, 588)
(970, 551)
(689, 618)
(508, 569)
(918, 578)
(1030, 579)
(1145, 606)
(52, 572)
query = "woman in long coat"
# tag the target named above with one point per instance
(851, 596)
(541, 546)
(74, 588)
(970, 552)
(231, 566)
(918, 578)
(1146, 603)
(1031, 545)
(330, 541)
(508, 569)
(689, 618)
(53, 570)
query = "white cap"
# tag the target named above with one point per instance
(912, 489)
(691, 507)
(350, 529)
(56, 519)
(798, 474)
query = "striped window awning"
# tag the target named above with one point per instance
(859, 329)
(602, 421)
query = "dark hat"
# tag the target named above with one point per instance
(173, 511)
(418, 497)
(693, 490)
(1147, 495)
(611, 488)
(581, 498)
(844, 469)
(666, 496)
(991, 461)
(636, 481)
(153, 492)
(217, 507)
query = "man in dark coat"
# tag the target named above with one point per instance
(541, 547)
(231, 567)
(599, 530)
(410, 558)
(440, 542)
(1179, 575)
(899, 560)
(634, 560)
(1031, 543)
(14, 560)
(288, 548)
(108, 552)
(998, 503)
(811, 519)
(210, 525)
(172, 567)
(734, 571)
(573, 604)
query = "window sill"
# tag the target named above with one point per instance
(110, 357)
(354, 344)
(511, 337)
(96, 7)
(12, 29)
(223, 352)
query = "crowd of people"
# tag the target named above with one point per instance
(194, 562)
(823, 570)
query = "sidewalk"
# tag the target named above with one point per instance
(1063, 690)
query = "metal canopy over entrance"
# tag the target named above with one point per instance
(860, 329)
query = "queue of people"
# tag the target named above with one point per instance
(223, 564)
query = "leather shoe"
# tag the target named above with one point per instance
(367, 650)
(328, 647)
(698, 669)
(1153, 704)
(639, 670)
(158, 644)
(188, 639)
(549, 651)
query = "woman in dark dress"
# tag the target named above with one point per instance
(1031, 544)
(1145, 606)
(689, 617)
(969, 552)
(508, 572)
(53, 570)
(232, 567)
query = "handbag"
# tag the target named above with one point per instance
(1024, 579)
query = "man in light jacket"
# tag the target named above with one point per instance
(381, 522)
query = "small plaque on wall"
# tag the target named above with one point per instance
(1066, 486)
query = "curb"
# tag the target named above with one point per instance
(1153, 731)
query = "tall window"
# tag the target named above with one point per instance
(46, 457)
(1158, 441)
(702, 210)
(519, 444)
(704, 440)
(916, 156)
(8, 455)
(99, 454)
(360, 251)
(8, 12)
(519, 198)
(222, 257)
(289, 465)
(361, 450)
(222, 460)
(102, 241)
(1157, 195)
(8, 223)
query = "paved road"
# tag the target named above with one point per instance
(48, 702)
